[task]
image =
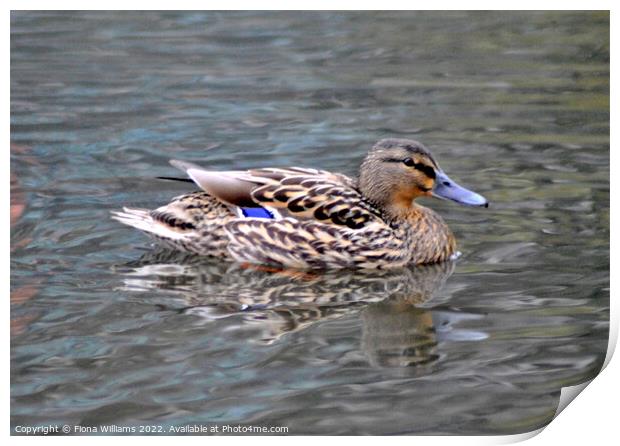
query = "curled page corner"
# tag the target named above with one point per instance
(518, 438)
(613, 339)
(568, 394)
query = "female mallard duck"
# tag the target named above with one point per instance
(307, 218)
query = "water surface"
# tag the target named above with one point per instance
(107, 330)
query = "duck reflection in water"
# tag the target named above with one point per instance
(402, 317)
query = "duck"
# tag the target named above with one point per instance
(305, 218)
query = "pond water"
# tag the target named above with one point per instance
(105, 329)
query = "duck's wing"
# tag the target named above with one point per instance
(322, 196)
(300, 193)
(232, 187)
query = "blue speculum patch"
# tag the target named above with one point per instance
(256, 213)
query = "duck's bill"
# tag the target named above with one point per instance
(449, 190)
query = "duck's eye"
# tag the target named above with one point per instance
(409, 162)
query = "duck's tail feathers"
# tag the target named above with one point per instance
(142, 219)
(184, 180)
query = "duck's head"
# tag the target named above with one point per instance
(397, 171)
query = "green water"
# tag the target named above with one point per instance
(107, 330)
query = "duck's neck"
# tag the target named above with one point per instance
(429, 237)
(395, 208)
(403, 211)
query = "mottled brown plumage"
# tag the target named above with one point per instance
(322, 219)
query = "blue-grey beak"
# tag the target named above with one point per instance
(447, 189)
